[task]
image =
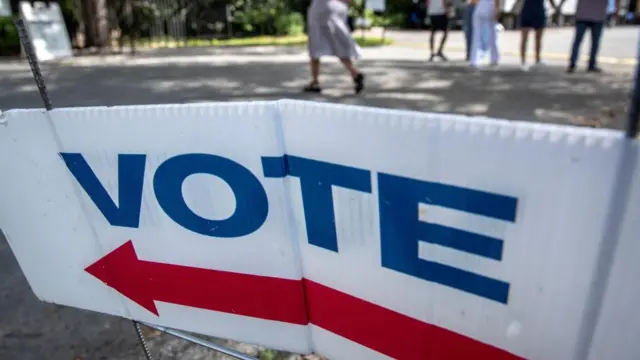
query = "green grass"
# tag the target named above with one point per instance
(372, 41)
(297, 40)
(269, 354)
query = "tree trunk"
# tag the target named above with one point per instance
(96, 23)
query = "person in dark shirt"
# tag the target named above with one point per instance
(590, 14)
(532, 16)
(438, 11)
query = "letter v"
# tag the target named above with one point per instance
(130, 181)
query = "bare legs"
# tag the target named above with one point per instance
(349, 65)
(523, 46)
(357, 77)
(432, 40)
(524, 39)
(315, 71)
(538, 44)
(443, 40)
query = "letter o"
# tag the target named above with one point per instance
(252, 205)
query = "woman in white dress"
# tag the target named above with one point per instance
(329, 35)
(485, 15)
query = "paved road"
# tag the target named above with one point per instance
(618, 44)
(398, 77)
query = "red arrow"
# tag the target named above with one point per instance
(386, 331)
(145, 282)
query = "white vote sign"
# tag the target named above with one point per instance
(351, 232)
(47, 29)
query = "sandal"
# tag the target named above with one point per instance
(313, 87)
(359, 83)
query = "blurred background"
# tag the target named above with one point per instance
(114, 24)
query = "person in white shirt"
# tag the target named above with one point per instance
(438, 11)
(485, 15)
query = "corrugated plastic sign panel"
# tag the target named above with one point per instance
(357, 233)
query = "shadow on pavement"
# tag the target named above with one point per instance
(545, 95)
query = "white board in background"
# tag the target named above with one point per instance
(376, 5)
(47, 29)
(5, 8)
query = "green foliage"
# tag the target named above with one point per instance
(289, 24)
(357, 8)
(248, 18)
(267, 17)
(386, 19)
(372, 41)
(251, 20)
(144, 14)
(9, 40)
(295, 40)
(267, 355)
(70, 9)
(394, 16)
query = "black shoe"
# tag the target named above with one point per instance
(312, 88)
(359, 83)
(571, 69)
(444, 58)
(595, 70)
(432, 57)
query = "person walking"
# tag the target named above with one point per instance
(329, 35)
(485, 16)
(590, 14)
(438, 11)
(532, 16)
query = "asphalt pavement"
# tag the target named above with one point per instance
(397, 77)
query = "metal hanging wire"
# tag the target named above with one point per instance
(25, 39)
(634, 108)
(27, 44)
(143, 342)
(619, 201)
(594, 302)
(30, 53)
(207, 344)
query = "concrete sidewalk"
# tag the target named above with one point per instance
(618, 45)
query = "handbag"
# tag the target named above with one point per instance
(351, 23)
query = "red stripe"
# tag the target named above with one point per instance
(145, 282)
(291, 301)
(389, 332)
(262, 297)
